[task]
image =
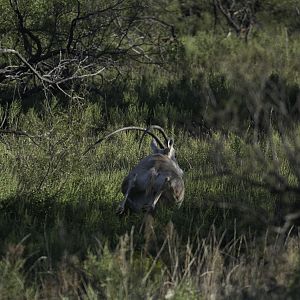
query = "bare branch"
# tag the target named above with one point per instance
(34, 71)
(107, 38)
(239, 15)
(26, 32)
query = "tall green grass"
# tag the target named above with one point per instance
(61, 238)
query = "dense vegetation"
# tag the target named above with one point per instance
(222, 77)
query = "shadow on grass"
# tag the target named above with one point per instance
(57, 228)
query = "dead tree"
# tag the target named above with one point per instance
(74, 42)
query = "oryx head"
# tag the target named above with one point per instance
(168, 150)
(165, 148)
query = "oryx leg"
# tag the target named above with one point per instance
(122, 205)
(157, 196)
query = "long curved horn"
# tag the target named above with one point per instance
(160, 129)
(125, 129)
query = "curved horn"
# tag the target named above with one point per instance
(160, 129)
(124, 129)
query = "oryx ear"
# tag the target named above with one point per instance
(154, 146)
(171, 153)
(170, 144)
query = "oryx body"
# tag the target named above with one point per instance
(155, 178)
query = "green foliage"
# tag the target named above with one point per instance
(233, 108)
(66, 202)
